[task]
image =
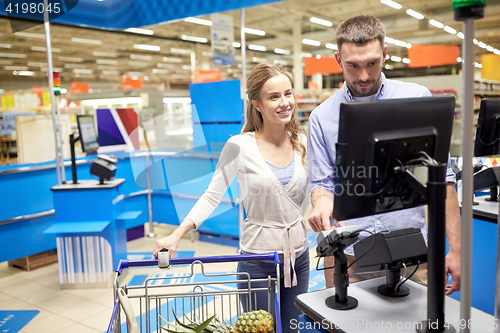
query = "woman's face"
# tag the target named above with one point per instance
(276, 102)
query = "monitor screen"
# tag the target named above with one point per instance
(375, 139)
(488, 128)
(88, 134)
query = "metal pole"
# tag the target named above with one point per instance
(60, 142)
(497, 297)
(467, 186)
(241, 215)
(51, 85)
(436, 195)
(150, 203)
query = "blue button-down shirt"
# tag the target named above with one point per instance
(322, 135)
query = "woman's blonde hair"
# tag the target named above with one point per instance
(255, 82)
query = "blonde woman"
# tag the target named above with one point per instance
(268, 157)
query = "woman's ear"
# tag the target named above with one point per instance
(256, 105)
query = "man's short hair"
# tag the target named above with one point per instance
(360, 29)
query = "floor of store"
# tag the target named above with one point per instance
(89, 310)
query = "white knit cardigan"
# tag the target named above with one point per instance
(275, 214)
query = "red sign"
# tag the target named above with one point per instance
(433, 55)
(323, 65)
(202, 75)
(79, 88)
(129, 83)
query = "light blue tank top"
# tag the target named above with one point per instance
(284, 174)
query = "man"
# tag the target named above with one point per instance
(361, 54)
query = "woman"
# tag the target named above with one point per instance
(268, 157)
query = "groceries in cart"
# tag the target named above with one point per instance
(259, 321)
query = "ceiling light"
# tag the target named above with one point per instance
(136, 74)
(46, 69)
(111, 72)
(450, 30)
(82, 71)
(320, 21)
(147, 47)
(167, 59)
(44, 49)
(255, 59)
(281, 51)
(400, 43)
(414, 14)
(160, 65)
(331, 46)
(311, 42)
(5, 46)
(12, 55)
(86, 41)
(283, 62)
(489, 48)
(141, 57)
(24, 73)
(74, 66)
(436, 24)
(70, 59)
(106, 68)
(475, 41)
(318, 56)
(387, 57)
(306, 55)
(389, 40)
(29, 34)
(186, 67)
(16, 68)
(389, 67)
(180, 51)
(254, 31)
(198, 21)
(461, 35)
(481, 45)
(207, 54)
(160, 71)
(137, 64)
(106, 62)
(236, 44)
(257, 47)
(6, 62)
(194, 39)
(392, 4)
(459, 59)
(395, 58)
(105, 54)
(39, 64)
(496, 51)
(64, 90)
(140, 31)
(406, 60)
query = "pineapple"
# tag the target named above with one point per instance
(255, 322)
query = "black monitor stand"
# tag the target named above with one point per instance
(390, 288)
(435, 192)
(72, 141)
(341, 301)
(493, 194)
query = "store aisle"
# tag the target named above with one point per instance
(89, 310)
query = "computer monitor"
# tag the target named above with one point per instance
(88, 133)
(377, 137)
(488, 128)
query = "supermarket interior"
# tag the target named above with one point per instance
(113, 115)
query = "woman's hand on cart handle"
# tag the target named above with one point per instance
(171, 242)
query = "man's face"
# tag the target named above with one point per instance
(362, 65)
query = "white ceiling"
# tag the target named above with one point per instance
(276, 19)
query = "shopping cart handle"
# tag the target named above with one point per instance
(269, 257)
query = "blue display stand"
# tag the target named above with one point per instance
(90, 232)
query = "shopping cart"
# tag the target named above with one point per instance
(161, 299)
